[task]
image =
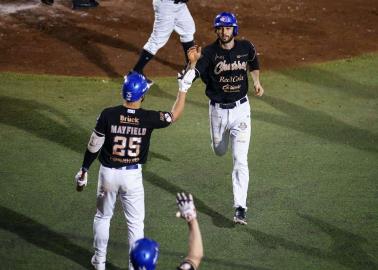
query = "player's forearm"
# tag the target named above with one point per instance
(255, 74)
(195, 243)
(178, 106)
(89, 157)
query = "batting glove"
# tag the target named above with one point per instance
(81, 179)
(186, 207)
(185, 80)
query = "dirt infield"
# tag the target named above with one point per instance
(105, 41)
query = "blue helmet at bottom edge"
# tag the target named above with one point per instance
(144, 254)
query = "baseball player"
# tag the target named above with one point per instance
(76, 3)
(170, 15)
(121, 139)
(223, 67)
(145, 252)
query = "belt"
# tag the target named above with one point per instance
(128, 167)
(229, 105)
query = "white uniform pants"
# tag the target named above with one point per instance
(170, 17)
(233, 125)
(128, 186)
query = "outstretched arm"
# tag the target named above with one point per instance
(195, 253)
(188, 212)
(185, 82)
(178, 106)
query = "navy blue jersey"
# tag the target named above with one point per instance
(225, 72)
(127, 134)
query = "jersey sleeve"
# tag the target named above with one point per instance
(100, 127)
(253, 61)
(159, 119)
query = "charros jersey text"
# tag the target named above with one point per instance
(225, 72)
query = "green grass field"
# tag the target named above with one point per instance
(313, 197)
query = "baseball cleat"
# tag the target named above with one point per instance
(97, 265)
(47, 2)
(240, 216)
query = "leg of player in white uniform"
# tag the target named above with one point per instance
(185, 26)
(164, 24)
(234, 124)
(240, 137)
(106, 200)
(219, 129)
(132, 199)
(111, 182)
(169, 17)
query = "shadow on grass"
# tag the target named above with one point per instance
(44, 238)
(331, 80)
(346, 249)
(317, 123)
(48, 123)
(28, 115)
(33, 117)
(218, 219)
(44, 122)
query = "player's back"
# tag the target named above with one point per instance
(127, 134)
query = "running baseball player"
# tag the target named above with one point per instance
(121, 139)
(170, 15)
(145, 252)
(223, 67)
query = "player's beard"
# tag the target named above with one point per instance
(224, 39)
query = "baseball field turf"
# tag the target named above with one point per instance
(313, 197)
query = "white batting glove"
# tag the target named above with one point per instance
(81, 179)
(186, 207)
(185, 80)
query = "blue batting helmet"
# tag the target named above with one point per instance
(226, 19)
(144, 254)
(134, 87)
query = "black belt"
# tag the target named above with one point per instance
(229, 105)
(128, 167)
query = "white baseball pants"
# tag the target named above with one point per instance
(233, 125)
(170, 17)
(128, 186)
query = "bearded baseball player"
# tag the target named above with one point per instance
(144, 253)
(121, 139)
(170, 15)
(223, 67)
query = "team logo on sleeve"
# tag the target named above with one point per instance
(166, 117)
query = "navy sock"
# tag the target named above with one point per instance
(144, 58)
(186, 46)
